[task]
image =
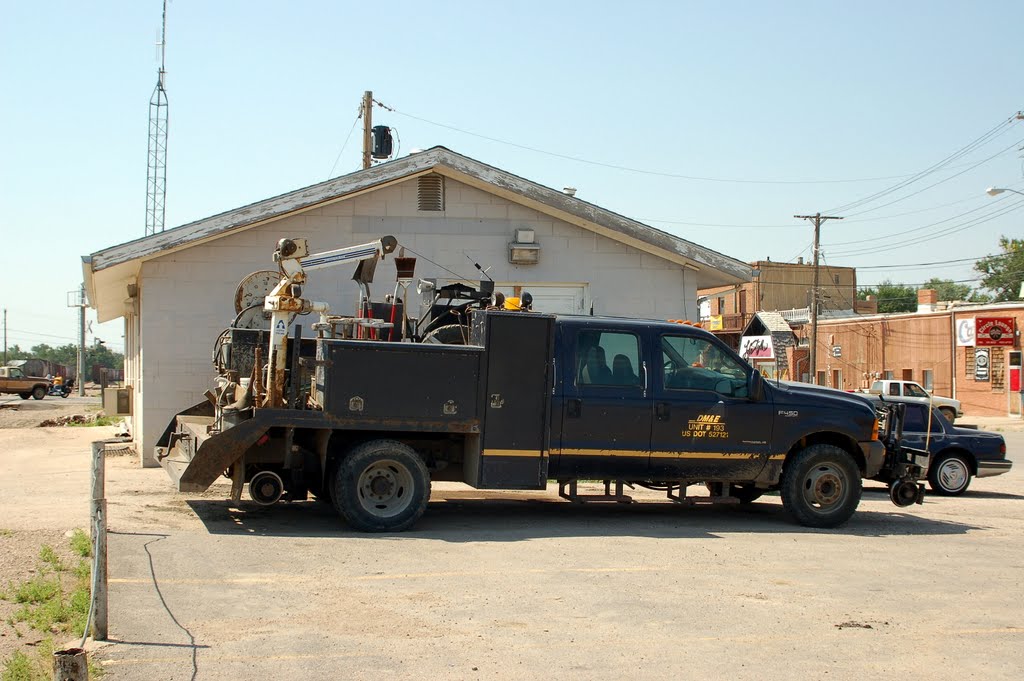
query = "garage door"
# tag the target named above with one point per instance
(553, 298)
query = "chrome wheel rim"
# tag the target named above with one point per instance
(385, 488)
(953, 475)
(825, 487)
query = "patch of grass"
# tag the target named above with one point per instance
(81, 543)
(4, 532)
(37, 590)
(54, 601)
(21, 667)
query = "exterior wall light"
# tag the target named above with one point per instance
(524, 250)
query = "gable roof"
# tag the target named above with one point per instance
(713, 268)
(772, 322)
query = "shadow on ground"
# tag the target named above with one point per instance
(455, 519)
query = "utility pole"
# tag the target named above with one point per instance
(817, 218)
(81, 342)
(367, 114)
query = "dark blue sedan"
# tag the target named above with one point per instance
(957, 454)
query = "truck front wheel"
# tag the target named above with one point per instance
(821, 486)
(382, 486)
(39, 392)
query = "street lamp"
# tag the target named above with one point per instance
(995, 191)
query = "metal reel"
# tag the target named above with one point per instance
(266, 488)
(254, 288)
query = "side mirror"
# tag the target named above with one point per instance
(755, 386)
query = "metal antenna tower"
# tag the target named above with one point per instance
(156, 174)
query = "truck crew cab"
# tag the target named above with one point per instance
(367, 424)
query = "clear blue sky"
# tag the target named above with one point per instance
(263, 94)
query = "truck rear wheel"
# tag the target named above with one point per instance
(39, 392)
(382, 486)
(821, 486)
(24, 396)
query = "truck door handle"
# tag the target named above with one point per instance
(573, 408)
(662, 411)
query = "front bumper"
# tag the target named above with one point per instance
(874, 457)
(986, 469)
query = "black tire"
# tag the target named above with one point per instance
(65, 393)
(24, 396)
(949, 413)
(38, 393)
(381, 486)
(949, 475)
(821, 486)
(449, 334)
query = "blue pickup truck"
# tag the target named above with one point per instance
(530, 398)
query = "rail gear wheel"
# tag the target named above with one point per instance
(266, 488)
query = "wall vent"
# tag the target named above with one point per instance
(430, 192)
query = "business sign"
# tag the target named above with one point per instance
(837, 351)
(981, 364)
(757, 347)
(965, 333)
(995, 331)
(715, 322)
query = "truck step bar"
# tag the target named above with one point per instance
(675, 492)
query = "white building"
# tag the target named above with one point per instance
(175, 290)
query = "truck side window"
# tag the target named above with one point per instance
(894, 389)
(914, 391)
(697, 364)
(593, 350)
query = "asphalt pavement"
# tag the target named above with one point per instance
(520, 585)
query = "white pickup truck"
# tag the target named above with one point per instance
(949, 407)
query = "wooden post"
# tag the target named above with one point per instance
(98, 512)
(70, 665)
(367, 125)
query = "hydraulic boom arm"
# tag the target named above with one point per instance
(293, 259)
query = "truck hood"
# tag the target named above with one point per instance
(818, 392)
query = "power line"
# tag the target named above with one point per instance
(946, 179)
(971, 146)
(931, 237)
(342, 151)
(990, 205)
(641, 171)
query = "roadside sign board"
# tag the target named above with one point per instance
(994, 331)
(965, 332)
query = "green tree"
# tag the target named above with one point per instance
(1003, 273)
(947, 289)
(891, 297)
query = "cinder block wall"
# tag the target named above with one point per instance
(187, 297)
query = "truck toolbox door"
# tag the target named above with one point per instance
(606, 409)
(705, 426)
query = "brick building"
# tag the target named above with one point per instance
(946, 347)
(780, 287)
